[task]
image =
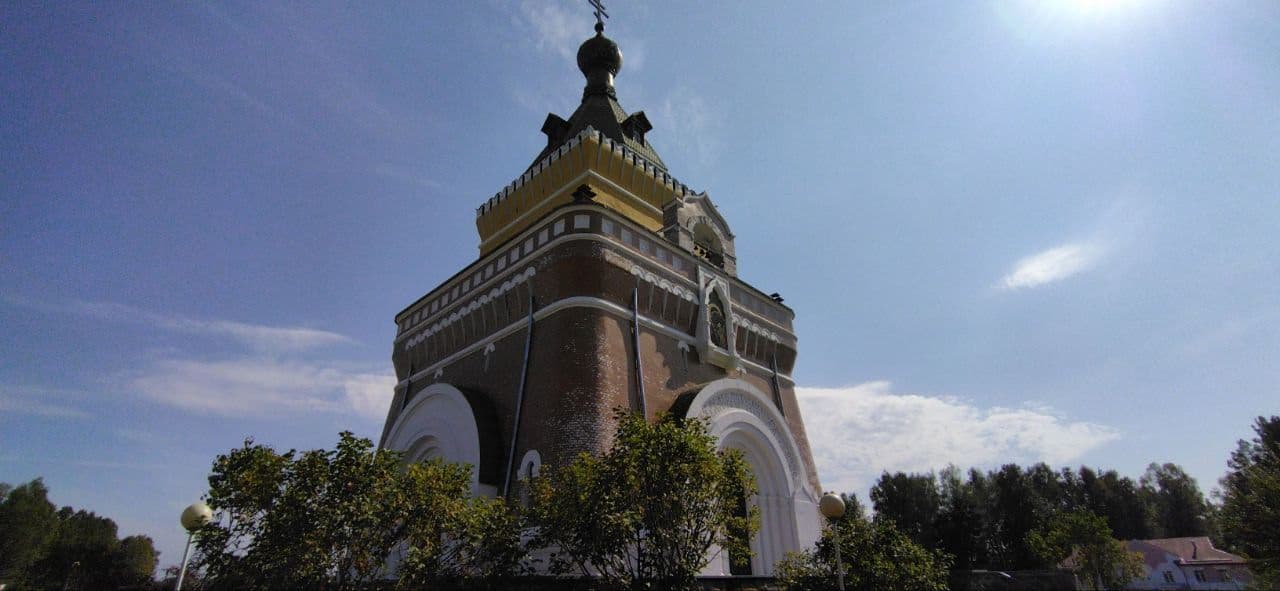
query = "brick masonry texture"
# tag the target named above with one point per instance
(581, 358)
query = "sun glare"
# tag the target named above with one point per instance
(1056, 20)
(1100, 8)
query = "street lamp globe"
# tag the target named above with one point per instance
(832, 506)
(196, 516)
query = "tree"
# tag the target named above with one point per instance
(1115, 498)
(28, 522)
(961, 519)
(326, 517)
(648, 512)
(876, 556)
(134, 561)
(1083, 540)
(911, 501)
(1176, 503)
(1250, 514)
(476, 541)
(66, 548)
(1016, 509)
(81, 554)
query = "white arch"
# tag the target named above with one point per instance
(530, 465)
(438, 423)
(743, 418)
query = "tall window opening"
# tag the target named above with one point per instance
(707, 245)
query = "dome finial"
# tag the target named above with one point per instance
(599, 58)
(600, 14)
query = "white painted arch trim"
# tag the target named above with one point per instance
(732, 403)
(438, 423)
(741, 417)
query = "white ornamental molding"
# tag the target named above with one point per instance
(727, 400)
(665, 285)
(752, 326)
(462, 311)
(725, 356)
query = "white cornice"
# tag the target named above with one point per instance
(566, 304)
(517, 241)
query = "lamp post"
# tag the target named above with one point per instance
(832, 507)
(193, 518)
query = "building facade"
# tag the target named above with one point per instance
(603, 282)
(1188, 563)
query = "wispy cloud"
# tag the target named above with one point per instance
(262, 387)
(406, 175)
(1052, 265)
(557, 28)
(43, 402)
(862, 430)
(259, 337)
(690, 125)
(81, 463)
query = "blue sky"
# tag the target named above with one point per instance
(1012, 231)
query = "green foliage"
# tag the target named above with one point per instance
(961, 518)
(983, 519)
(1250, 514)
(28, 522)
(648, 511)
(450, 536)
(913, 503)
(1175, 501)
(41, 548)
(1117, 499)
(1083, 540)
(876, 556)
(81, 551)
(135, 561)
(332, 517)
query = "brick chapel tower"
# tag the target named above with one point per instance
(603, 282)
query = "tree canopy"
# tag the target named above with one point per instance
(333, 517)
(646, 513)
(876, 555)
(1177, 506)
(46, 548)
(1250, 514)
(984, 519)
(1083, 540)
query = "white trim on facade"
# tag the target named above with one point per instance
(438, 423)
(741, 417)
(564, 304)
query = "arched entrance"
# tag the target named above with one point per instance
(439, 423)
(743, 418)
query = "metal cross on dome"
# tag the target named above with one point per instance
(599, 12)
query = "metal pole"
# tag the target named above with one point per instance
(182, 574)
(635, 344)
(515, 424)
(835, 535)
(777, 386)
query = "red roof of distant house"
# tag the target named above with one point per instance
(1194, 550)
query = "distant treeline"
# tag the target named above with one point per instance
(983, 518)
(44, 547)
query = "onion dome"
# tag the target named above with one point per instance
(599, 59)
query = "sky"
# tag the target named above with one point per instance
(1011, 231)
